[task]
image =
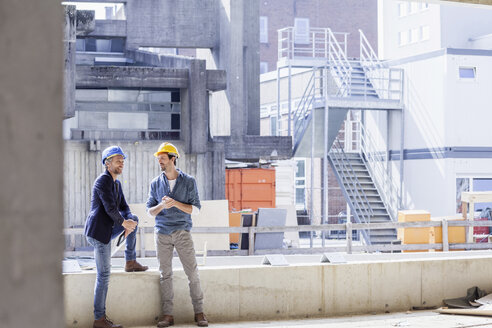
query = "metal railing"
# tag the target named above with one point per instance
(314, 44)
(388, 82)
(355, 192)
(302, 114)
(376, 161)
(368, 57)
(348, 227)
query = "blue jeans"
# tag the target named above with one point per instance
(102, 256)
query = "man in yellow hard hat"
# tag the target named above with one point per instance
(173, 197)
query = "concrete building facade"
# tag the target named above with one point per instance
(447, 100)
(124, 92)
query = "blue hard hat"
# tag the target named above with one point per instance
(112, 151)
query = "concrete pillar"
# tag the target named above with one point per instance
(199, 118)
(251, 30)
(69, 32)
(31, 102)
(185, 117)
(238, 54)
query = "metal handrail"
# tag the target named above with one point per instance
(362, 208)
(379, 76)
(376, 163)
(368, 56)
(348, 227)
(300, 116)
(339, 65)
(315, 46)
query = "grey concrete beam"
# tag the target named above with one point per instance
(88, 58)
(109, 28)
(69, 31)
(130, 77)
(146, 58)
(199, 117)
(216, 80)
(252, 148)
(171, 23)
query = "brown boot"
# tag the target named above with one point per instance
(201, 320)
(166, 321)
(134, 266)
(104, 322)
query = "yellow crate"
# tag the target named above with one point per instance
(455, 234)
(414, 235)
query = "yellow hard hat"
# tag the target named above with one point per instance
(169, 148)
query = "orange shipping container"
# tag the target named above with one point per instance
(250, 188)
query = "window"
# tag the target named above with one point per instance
(414, 35)
(414, 7)
(467, 72)
(100, 45)
(300, 184)
(301, 28)
(424, 33)
(103, 45)
(424, 6)
(263, 29)
(263, 111)
(403, 38)
(402, 9)
(284, 108)
(273, 125)
(472, 184)
(263, 67)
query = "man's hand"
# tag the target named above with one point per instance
(129, 226)
(168, 202)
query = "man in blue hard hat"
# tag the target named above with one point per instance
(108, 218)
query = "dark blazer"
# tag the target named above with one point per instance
(108, 208)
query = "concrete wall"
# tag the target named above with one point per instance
(442, 111)
(451, 25)
(467, 101)
(390, 24)
(171, 23)
(460, 23)
(268, 293)
(31, 102)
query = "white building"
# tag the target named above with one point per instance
(446, 53)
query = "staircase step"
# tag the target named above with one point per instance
(382, 232)
(380, 240)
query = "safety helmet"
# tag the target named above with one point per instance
(169, 148)
(112, 151)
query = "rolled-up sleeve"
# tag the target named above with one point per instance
(152, 200)
(193, 197)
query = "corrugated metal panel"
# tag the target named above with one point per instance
(250, 188)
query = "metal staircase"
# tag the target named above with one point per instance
(362, 84)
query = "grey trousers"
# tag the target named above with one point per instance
(165, 244)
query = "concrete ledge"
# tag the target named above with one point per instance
(265, 293)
